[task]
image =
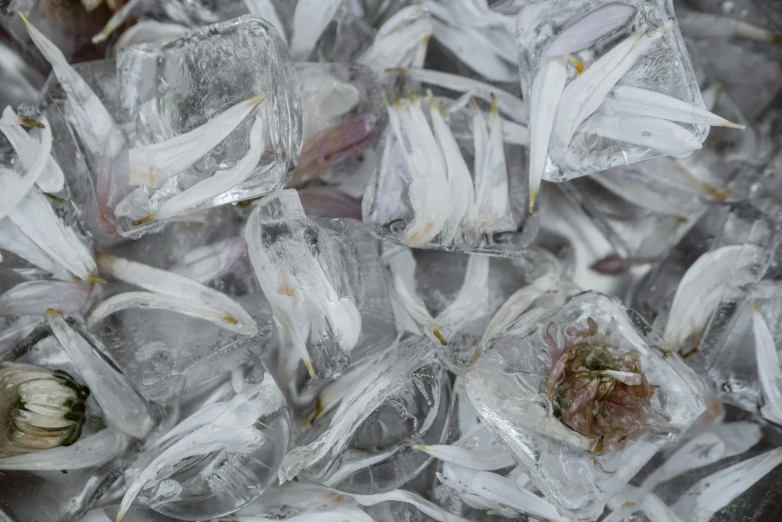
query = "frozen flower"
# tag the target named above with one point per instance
(39, 409)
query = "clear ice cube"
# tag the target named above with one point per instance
(574, 471)
(664, 68)
(171, 88)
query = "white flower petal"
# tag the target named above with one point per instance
(462, 193)
(35, 297)
(504, 491)
(661, 135)
(716, 491)
(87, 452)
(507, 103)
(145, 31)
(14, 240)
(547, 90)
(35, 217)
(472, 300)
(309, 21)
(152, 164)
(342, 515)
(51, 179)
(633, 101)
(185, 291)
(220, 182)
(711, 95)
(586, 92)
(700, 291)
(210, 261)
(16, 187)
(426, 507)
(120, 404)
(477, 50)
(698, 452)
(401, 41)
(492, 203)
(17, 331)
(116, 20)
(93, 117)
(480, 459)
(769, 369)
(597, 23)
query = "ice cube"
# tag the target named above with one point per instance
(208, 91)
(580, 461)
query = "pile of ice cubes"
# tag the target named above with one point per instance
(391, 261)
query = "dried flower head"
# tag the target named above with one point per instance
(598, 391)
(39, 409)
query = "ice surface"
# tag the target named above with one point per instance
(171, 88)
(573, 473)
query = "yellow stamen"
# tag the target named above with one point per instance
(576, 63)
(440, 337)
(395, 100)
(400, 70)
(25, 21)
(310, 369)
(255, 100)
(31, 123)
(51, 312)
(94, 279)
(228, 318)
(494, 111)
(145, 219)
(425, 41)
(475, 104)
(533, 194)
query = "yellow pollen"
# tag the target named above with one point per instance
(145, 219)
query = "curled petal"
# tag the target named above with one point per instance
(87, 452)
(16, 187)
(152, 164)
(186, 289)
(769, 369)
(51, 179)
(597, 23)
(121, 405)
(35, 297)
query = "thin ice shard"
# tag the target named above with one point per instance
(151, 165)
(121, 405)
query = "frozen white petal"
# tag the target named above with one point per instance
(634, 101)
(309, 21)
(87, 452)
(210, 261)
(401, 41)
(479, 459)
(492, 203)
(152, 164)
(117, 19)
(769, 370)
(661, 135)
(472, 300)
(547, 90)
(232, 315)
(145, 31)
(599, 22)
(477, 50)
(16, 187)
(120, 404)
(505, 492)
(51, 179)
(220, 182)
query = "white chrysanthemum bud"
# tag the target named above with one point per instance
(39, 409)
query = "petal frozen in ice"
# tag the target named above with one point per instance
(769, 369)
(661, 135)
(426, 507)
(220, 182)
(700, 451)
(707, 25)
(14, 240)
(121, 405)
(597, 23)
(492, 203)
(472, 300)
(87, 452)
(145, 31)
(16, 187)
(700, 291)
(714, 492)
(211, 261)
(117, 19)
(183, 289)
(35, 297)
(547, 90)
(462, 193)
(309, 21)
(329, 202)
(634, 101)
(36, 218)
(151, 165)
(586, 92)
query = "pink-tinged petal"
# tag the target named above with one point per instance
(333, 145)
(329, 202)
(597, 23)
